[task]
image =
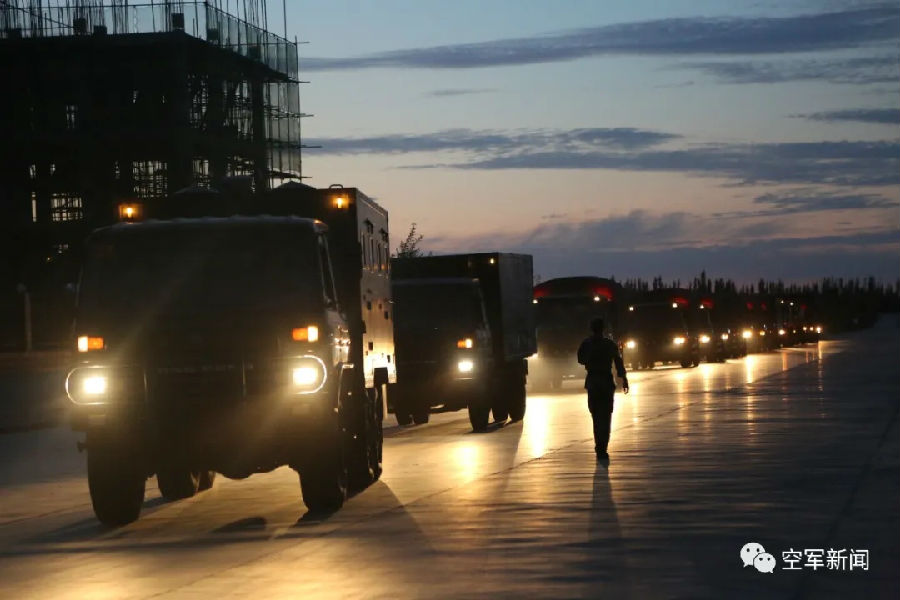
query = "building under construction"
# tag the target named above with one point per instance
(107, 103)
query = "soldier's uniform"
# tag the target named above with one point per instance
(598, 354)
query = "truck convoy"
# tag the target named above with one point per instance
(235, 345)
(563, 309)
(464, 328)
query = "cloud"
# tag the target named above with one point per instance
(459, 92)
(836, 163)
(811, 201)
(843, 163)
(500, 142)
(862, 70)
(849, 28)
(793, 203)
(640, 244)
(887, 116)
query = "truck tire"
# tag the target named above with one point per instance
(421, 415)
(177, 482)
(685, 363)
(116, 481)
(500, 403)
(324, 480)
(206, 480)
(401, 399)
(517, 405)
(367, 444)
(479, 414)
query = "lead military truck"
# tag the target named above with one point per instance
(235, 345)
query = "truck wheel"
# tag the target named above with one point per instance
(324, 479)
(206, 480)
(421, 416)
(116, 481)
(479, 412)
(367, 445)
(685, 363)
(517, 403)
(499, 410)
(177, 482)
(401, 400)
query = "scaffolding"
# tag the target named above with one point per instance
(111, 101)
(242, 33)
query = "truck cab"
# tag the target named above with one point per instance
(564, 308)
(658, 332)
(464, 329)
(233, 345)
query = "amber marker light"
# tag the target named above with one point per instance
(309, 333)
(130, 212)
(87, 343)
(340, 202)
(465, 343)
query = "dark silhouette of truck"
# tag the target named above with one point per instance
(658, 331)
(235, 345)
(564, 308)
(464, 328)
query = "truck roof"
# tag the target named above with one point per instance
(236, 222)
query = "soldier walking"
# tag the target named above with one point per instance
(598, 354)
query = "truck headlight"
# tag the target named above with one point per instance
(704, 339)
(631, 344)
(308, 374)
(95, 385)
(747, 334)
(724, 337)
(465, 366)
(781, 332)
(818, 329)
(678, 341)
(88, 385)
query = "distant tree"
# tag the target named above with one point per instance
(409, 248)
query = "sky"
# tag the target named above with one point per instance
(617, 138)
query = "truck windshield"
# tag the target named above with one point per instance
(655, 317)
(571, 313)
(195, 270)
(454, 305)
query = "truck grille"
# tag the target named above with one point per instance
(203, 382)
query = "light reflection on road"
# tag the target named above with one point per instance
(445, 490)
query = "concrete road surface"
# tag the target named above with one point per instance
(796, 450)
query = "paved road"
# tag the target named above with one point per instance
(795, 449)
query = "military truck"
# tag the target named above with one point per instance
(657, 331)
(235, 345)
(564, 308)
(464, 328)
